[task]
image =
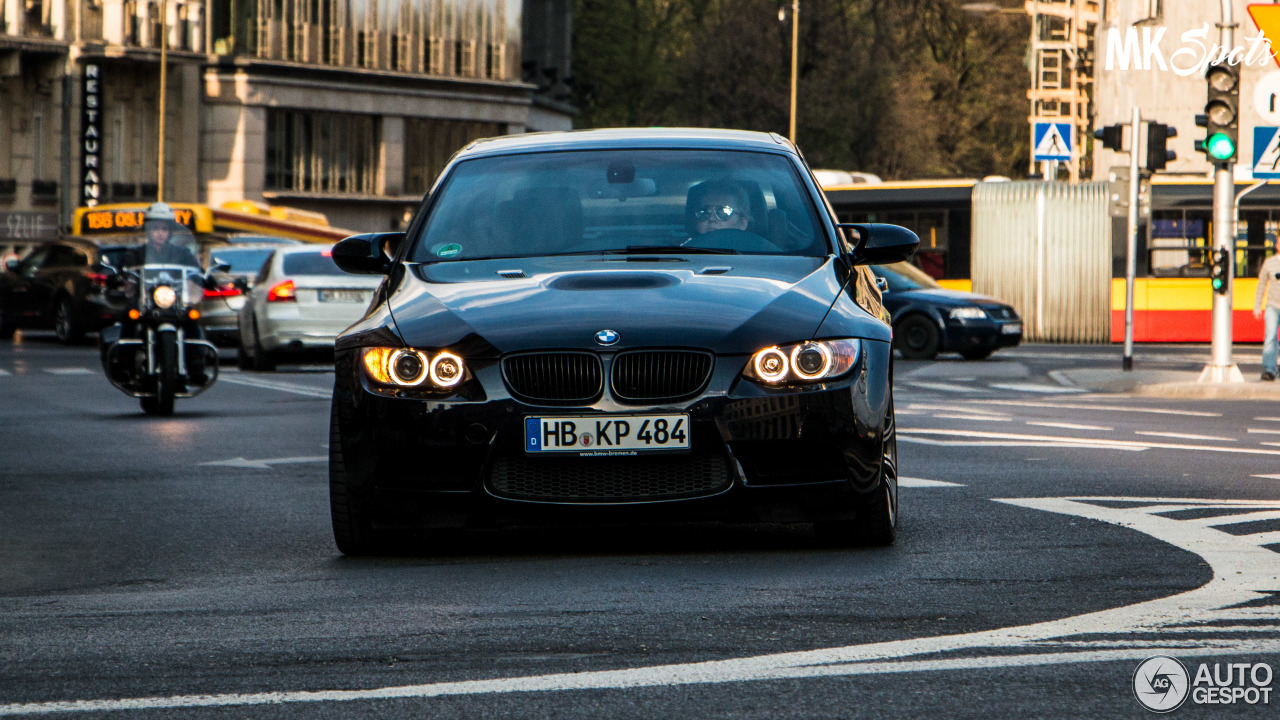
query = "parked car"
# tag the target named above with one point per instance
(928, 319)
(245, 257)
(299, 303)
(610, 324)
(64, 285)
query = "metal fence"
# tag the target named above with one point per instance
(1045, 248)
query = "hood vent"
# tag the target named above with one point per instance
(512, 274)
(714, 270)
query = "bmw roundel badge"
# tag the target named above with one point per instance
(607, 337)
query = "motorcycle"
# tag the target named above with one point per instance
(159, 353)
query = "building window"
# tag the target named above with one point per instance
(467, 38)
(428, 144)
(318, 152)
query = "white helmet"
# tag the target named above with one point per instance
(159, 211)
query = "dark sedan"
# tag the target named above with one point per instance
(641, 324)
(63, 285)
(928, 319)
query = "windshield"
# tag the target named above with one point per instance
(632, 201)
(310, 263)
(243, 261)
(904, 276)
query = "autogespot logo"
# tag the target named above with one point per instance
(1160, 683)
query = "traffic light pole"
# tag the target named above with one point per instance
(1221, 368)
(1131, 260)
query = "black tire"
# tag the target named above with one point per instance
(917, 338)
(166, 381)
(64, 322)
(348, 506)
(876, 522)
(977, 354)
(262, 361)
(7, 328)
(243, 361)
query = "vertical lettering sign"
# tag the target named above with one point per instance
(91, 180)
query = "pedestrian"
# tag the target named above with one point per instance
(1268, 296)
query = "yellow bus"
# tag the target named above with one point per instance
(210, 224)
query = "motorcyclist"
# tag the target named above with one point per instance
(159, 222)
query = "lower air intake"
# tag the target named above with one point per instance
(610, 480)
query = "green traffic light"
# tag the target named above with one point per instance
(1220, 147)
(1218, 283)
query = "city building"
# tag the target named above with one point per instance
(1061, 63)
(346, 107)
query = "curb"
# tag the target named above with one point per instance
(1217, 391)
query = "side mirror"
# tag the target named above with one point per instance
(362, 254)
(878, 243)
(220, 268)
(12, 265)
(241, 284)
(882, 285)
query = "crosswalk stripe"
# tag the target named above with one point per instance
(308, 391)
(69, 371)
(945, 387)
(1031, 387)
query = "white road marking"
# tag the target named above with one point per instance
(945, 387)
(954, 408)
(1270, 444)
(1182, 436)
(294, 388)
(1260, 431)
(1032, 387)
(1068, 426)
(1105, 408)
(957, 416)
(1089, 445)
(69, 371)
(1096, 442)
(1242, 572)
(4, 373)
(1267, 419)
(922, 483)
(1236, 519)
(265, 464)
(1269, 477)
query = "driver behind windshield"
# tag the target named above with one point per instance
(717, 205)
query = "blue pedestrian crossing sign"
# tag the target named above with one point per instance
(1266, 153)
(1052, 141)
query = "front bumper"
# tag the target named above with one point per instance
(755, 453)
(980, 335)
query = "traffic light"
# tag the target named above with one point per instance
(1221, 113)
(1221, 270)
(1158, 154)
(1111, 136)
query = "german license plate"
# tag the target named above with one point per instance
(341, 296)
(606, 434)
(1011, 328)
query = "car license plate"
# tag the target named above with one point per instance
(1011, 328)
(341, 296)
(606, 434)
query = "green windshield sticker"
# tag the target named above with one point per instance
(449, 250)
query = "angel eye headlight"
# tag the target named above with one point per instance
(408, 367)
(804, 362)
(446, 369)
(771, 365)
(164, 297)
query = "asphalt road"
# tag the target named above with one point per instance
(1051, 540)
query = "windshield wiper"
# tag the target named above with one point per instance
(669, 250)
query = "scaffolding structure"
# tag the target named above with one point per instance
(1061, 63)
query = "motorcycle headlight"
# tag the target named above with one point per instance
(968, 313)
(164, 297)
(408, 367)
(804, 362)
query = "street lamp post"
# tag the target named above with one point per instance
(795, 41)
(164, 44)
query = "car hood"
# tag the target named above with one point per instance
(728, 304)
(940, 296)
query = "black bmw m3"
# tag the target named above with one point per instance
(597, 325)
